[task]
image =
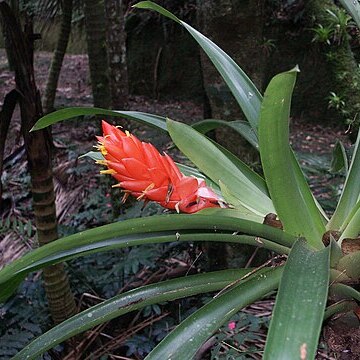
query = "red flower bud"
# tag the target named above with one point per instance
(143, 172)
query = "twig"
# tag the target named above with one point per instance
(249, 274)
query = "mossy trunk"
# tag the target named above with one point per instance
(58, 57)
(345, 73)
(38, 150)
(95, 27)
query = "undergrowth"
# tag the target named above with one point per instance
(120, 270)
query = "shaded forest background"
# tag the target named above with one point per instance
(264, 37)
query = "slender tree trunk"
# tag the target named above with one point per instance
(96, 43)
(6, 112)
(116, 45)
(38, 149)
(58, 57)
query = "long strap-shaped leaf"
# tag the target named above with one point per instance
(352, 229)
(294, 205)
(345, 291)
(132, 232)
(156, 121)
(245, 92)
(299, 308)
(214, 163)
(127, 302)
(187, 338)
(350, 193)
(243, 89)
(241, 127)
(9, 285)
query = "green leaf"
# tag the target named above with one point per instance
(335, 252)
(339, 159)
(351, 224)
(94, 155)
(254, 177)
(127, 302)
(213, 162)
(152, 6)
(353, 7)
(299, 308)
(187, 338)
(237, 203)
(241, 127)
(350, 264)
(340, 307)
(243, 89)
(350, 193)
(345, 291)
(234, 213)
(69, 113)
(154, 229)
(294, 204)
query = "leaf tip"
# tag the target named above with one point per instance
(295, 69)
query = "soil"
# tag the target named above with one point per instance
(79, 136)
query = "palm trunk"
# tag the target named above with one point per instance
(38, 149)
(57, 60)
(96, 43)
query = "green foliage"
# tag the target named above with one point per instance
(322, 34)
(21, 324)
(336, 101)
(239, 331)
(336, 28)
(23, 228)
(353, 8)
(304, 280)
(339, 22)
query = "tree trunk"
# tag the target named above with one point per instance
(6, 113)
(58, 57)
(237, 27)
(116, 45)
(345, 72)
(96, 43)
(38, 149)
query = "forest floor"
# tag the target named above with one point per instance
(76, 179)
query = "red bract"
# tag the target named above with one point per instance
(143, 172)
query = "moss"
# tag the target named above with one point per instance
(344, 72)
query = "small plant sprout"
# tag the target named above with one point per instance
(335, 102)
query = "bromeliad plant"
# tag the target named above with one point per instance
(322, 254)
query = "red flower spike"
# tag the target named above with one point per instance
(142, 171)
